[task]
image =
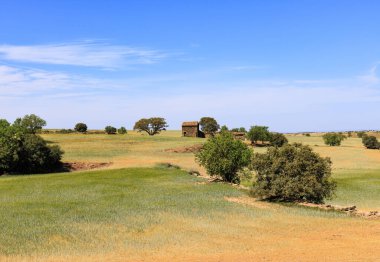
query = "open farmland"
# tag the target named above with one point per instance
(135, 210)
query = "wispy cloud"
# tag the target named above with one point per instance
(85, 53)
(371, 77)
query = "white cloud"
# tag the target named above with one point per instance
(371, 77)
(87, 53)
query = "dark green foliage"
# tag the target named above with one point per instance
(4, 123)
(65, 131)
(241, 129)
(349, 134)
(306, 134)
(258, 133)
(360, 134)
(224, 128)
(278, 139)
(26, 153)
(81, 127)
(152, 126)
(31, 123)
(370, 142)
(209, 125)
(224, 156)
(110, 130)
(333, 139)
(122, 130)
(292, 173)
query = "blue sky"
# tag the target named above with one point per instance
(290, 65)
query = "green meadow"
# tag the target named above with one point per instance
(136, 209)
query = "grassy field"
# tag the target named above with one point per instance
(134, 210)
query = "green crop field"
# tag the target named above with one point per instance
(135, 209)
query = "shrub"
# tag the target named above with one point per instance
(292, 173)
(370, 142)
(23, 152)
(258, 133)
(65, 131)
(122, 130)
(278, 139)
(110, 130)
(152, 126)
(81, 127)
(224, 156)
(333, 139)
(306, 134)
(360, 134)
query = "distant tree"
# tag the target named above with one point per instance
(110, 130)
(152, 126)
(333, 139)
(292, 173)
(349, 134)
(241, 129)
(306, 134)
(360, 134)
(278, 139)
(81, 127)
(224, 128)
(370, 142)
(122, 130)
(31, 123)
(224, 156)
(258, 133)
(209, 125)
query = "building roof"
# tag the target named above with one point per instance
(192, 123)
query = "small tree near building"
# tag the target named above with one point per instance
(209, 125)
(152, 126)
(81, 127)
(224, 156)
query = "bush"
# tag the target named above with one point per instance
(333, 139)
(122, 130)
(81, 127)
(65, 131)
(370, 142)
(360, 134)
(224, 156)
(306, 134)
(278, 139)
(23, 152)
(292, 173)
(110, 130)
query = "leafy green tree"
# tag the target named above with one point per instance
(152, 126)
(24, 152)
(258, 133)
(31, 123)
(240, 129)
(333, 139)
(81, 127)
(224, 128)
(4, 123)
(209, 125)
(110, 130)
(224, 156)
(370, 142)
(292, 173)
(278, 139)
(122, 130)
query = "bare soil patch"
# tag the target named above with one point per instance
(249, 201)
(78, 166)
(187, 149)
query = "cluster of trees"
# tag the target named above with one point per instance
(333, 139)
(286, 173)
(23, 151)
(370, 142)
(262, 134)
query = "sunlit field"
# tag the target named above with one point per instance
(137, 210)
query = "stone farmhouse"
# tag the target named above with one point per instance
(191, 129)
